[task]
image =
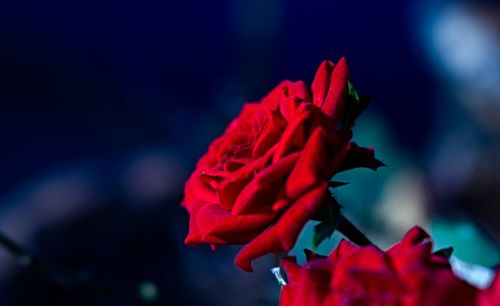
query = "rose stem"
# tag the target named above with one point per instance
(351, 232)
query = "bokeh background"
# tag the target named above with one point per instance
(105, 106)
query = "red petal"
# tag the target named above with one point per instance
(232, 186)
(297, 94)
(194, 236)
(271, 103)
(293, 138)
(336, 162)
(202, 191)
(333, 105)
(414, 237)
(310, 166)
(321, 82)
(217, 225)
(342, 250)
(312, 287)
(288, 295)
(282, 236)
(291, 268)
(443, 288)
(360, 271)
(299, 89)
(367, 258)
(232, 165)
(414, 264)
(268, 136)
(262, 190)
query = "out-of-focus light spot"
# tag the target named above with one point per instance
(466, 49)
(402, 203)
(148, 291)
(475, 275)
(153, 176)
(24, 261)
(461, 41)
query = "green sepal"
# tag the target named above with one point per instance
(328, 224)
(445, 252)
(354, 106)
(352, 91)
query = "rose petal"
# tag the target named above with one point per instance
(233, 165)
(370, 286)
(369, 258)
(202, 191)
(282, 236)
(344, 248)
(261, 191)
(293, 138)
(314, 280)
(336, 162)
(321, 82)
(271, 103)
(213, 222)
(307, 285)
(299, 90)
(337, 91)
(443, 288)
(414, 264)
(309, 168)
(194, 236)
(291, 268)
(268, 136)
(296, 94)
(414, 237)
(232, 186)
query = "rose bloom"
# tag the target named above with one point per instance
(408, 274)
(268, 174)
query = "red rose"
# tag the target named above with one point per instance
(408, 274)
(490, 296)
(268, 174)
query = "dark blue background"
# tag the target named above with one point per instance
(84, 79)
(94, 82)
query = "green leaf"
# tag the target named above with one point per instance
(354, 106)
(352, 91)
(328, 225)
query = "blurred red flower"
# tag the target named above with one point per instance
(408, 274)
(268, 174)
